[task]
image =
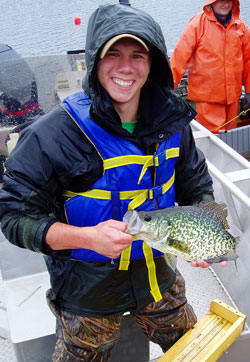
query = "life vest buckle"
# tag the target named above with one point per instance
(159, 159)
(155, 192)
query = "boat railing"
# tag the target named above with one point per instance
(229, 178)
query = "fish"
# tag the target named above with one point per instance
(196, 232)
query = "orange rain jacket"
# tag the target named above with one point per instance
(217, 57)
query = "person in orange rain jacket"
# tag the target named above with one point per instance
(215, 46)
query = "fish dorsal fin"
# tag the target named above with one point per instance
(218, 209)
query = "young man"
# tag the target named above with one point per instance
(215, 46)
(125, 142)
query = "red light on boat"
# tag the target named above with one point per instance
(77, 20)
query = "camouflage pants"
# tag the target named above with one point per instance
(92, 339)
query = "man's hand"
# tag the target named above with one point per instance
(204, 264)
(246, 102)
(110, 239)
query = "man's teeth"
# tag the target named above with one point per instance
(123, 83)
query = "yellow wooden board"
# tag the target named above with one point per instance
(211, 336)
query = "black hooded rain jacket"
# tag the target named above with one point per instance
(53, 155)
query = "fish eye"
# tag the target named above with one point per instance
(147, 218)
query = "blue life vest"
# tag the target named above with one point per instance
(126, 182)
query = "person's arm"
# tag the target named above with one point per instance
(107, 238)
(183, 52)
(49, 157)
(27, 221)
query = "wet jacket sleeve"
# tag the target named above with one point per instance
(192, 183)
(27, 196)
(25, 211)
(246, 59)
(31, 198)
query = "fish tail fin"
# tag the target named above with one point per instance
(171, 261)
(218, 209)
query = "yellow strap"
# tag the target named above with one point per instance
(147, 164)
(154, 288)
(125, 259)
(168, 184)
(143, 196)
(137, 159)
(137, 196)
(125, 160)
(154, 161)
(138, 200)
(146, 161)
(103, 194)
(148, 194)
(173, 152)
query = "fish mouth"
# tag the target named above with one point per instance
(133, 221)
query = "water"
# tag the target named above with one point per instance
(43, 27)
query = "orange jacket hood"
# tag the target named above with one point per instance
(235, 10)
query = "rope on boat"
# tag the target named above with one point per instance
(242, 113)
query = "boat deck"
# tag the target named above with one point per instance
(202, 287)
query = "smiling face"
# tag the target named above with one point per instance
(222, 7)
(123, 71)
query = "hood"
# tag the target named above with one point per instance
(125, 19)
(235, 10)
(159, 106)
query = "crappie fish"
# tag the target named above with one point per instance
(189, 232)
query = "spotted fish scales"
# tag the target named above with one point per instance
(190, 232)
